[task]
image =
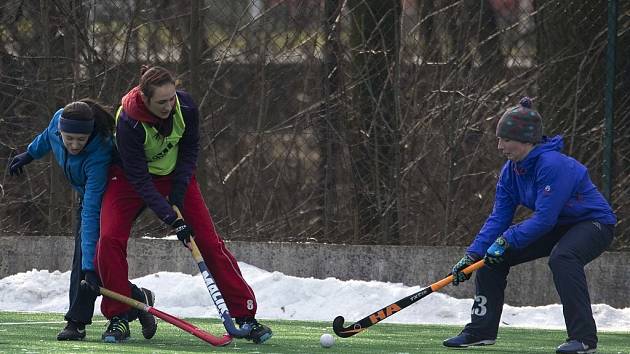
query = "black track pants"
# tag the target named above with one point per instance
(81, 301)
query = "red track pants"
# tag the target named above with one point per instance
(121, 205)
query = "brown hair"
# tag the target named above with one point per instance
(78, 111)
(152, 77)
(103, 119)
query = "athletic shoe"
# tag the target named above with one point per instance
(147, 320)
(572, 346)
(464, 340)
(73, 331)
(117, 330)
(259, 333)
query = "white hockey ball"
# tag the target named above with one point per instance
(326, 340)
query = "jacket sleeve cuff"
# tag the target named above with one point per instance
(170, 219)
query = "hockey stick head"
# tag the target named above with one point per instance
(343, 332)
(188, 327)
(241, 332)
(212, 340)
(393, 308)
(338, 325)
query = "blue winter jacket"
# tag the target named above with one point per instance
(556, 187)
(86, 172)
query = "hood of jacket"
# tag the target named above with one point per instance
(547, 144)
(134, 107)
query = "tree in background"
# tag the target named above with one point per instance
(374, 124)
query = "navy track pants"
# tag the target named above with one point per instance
(570, 248)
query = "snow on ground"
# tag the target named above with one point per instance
(291, 298)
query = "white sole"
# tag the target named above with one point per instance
(473, 344)
(481, 342)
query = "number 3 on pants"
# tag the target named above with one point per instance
(479, 308)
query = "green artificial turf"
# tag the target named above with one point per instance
(36, 333)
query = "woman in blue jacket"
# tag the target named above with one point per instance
(571, 222)
(80, 138)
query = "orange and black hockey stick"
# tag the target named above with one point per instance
(391, 309)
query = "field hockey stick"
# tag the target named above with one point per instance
(391, 309)
(188, 327)
(215, 293)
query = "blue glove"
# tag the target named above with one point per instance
(458, 275)
(183, 231)
(494, 254)
(92, 282)
(15, 168)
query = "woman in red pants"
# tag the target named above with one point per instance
(157, 134)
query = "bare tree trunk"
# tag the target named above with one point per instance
(571, 53)
(195, 39)
(489, 43)
(330, 128)
(426, 30)
(375, 126)
(56, 190)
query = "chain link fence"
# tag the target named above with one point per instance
(341, 121)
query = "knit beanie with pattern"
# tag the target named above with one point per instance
(521, 123)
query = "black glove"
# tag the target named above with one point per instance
(458, 275)
(183, 231)
(92, 282)
(15, 168)
(176, 197)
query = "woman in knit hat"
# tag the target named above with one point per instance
(80, 138)
(571, 223)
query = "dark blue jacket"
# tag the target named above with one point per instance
(86, 172)
(556, 187)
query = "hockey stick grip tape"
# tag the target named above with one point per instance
(123, 299)
(468, 270)
(193, 246)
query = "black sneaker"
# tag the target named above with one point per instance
(464, 340)
(73, 331)
(259, 333)
(117, 330)
(147, 320)
(572, 346)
